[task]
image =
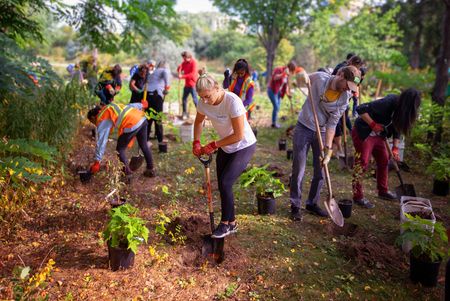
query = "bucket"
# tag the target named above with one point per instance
(187, 132)
(162, 146)
(266, 205)
(289, 153)
(166, 107)
(85, 176)
(346, 207)
(174, 108)
(282, 144)
(415, 206)
(120, 258)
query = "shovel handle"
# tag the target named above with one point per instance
(397, 170)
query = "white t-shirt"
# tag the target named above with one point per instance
(220, 116)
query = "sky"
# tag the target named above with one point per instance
(195, 6)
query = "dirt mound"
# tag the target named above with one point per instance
(372, 253)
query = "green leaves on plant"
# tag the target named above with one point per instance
(266, 185)
(125, 228)
(427, 239)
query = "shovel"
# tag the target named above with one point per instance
(348, 161)
(403, 189)
(212, 248)
(330, 204)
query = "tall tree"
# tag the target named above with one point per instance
(270, 20)
(438, 95)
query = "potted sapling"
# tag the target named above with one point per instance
(268, 188)
(124, 233)
(440, 169)
(429, 248)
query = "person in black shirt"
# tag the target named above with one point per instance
(137, 83)
(386, 117)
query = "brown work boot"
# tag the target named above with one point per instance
(150, 173)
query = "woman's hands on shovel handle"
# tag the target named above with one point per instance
(326, 155)
(196, 148)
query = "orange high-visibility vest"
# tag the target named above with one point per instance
(122, 117)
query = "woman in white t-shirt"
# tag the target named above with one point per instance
(236, 145)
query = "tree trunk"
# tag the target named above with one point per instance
(440, 85)
(415, 54)
(271, 50)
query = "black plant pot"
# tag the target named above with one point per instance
(85, 176)
(282, 144)
(162, 146)
(266, 205)
(289, 154)
(346, 207)
(423, 271)
(440, 187)
(120, 258)
(255, 131)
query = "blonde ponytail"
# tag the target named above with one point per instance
(205, 81)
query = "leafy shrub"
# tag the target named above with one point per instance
(125, 228)
(429, 244)
(266, 185)
(21, 171)
(30, 287)
(440, 168)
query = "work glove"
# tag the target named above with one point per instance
(139, 90)
(376, 127)
(395, 153)
(326, 155)
(196, 148)
(209, 148)
(144, 104)
(95, 167)
(165, 92)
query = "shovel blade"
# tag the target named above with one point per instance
(405, 190)
(334, 212)
(136, 162)
(212, 248)
(346, 164)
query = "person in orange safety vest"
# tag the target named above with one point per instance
(130, 123)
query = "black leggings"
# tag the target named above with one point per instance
(229, 168)
(155, 102)
(141, 136)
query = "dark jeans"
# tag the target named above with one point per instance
(186, 92)
(305, 138)
(105, 97)
(229, 168)
(276, 103)
(155, 102)
(141, 136)
(339, 127)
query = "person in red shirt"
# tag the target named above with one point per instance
(278, 87)
(187, 70)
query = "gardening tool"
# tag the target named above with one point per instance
(136, 161)
(348, 161)
(403, 189)
(212, 248)
(330, 204)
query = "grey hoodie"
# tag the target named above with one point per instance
(328, 113)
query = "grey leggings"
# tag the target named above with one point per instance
(229, 168)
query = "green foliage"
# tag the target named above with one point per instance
(159, 117)
(53, 106)
(30, 148)
(440, 167)
(125, 228)
(17, 20)
(31, 287)
(98, 22)
(426, 243)
(163, 225)
(266, 185)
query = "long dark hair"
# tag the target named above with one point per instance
(407, 110)
(241, 64)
